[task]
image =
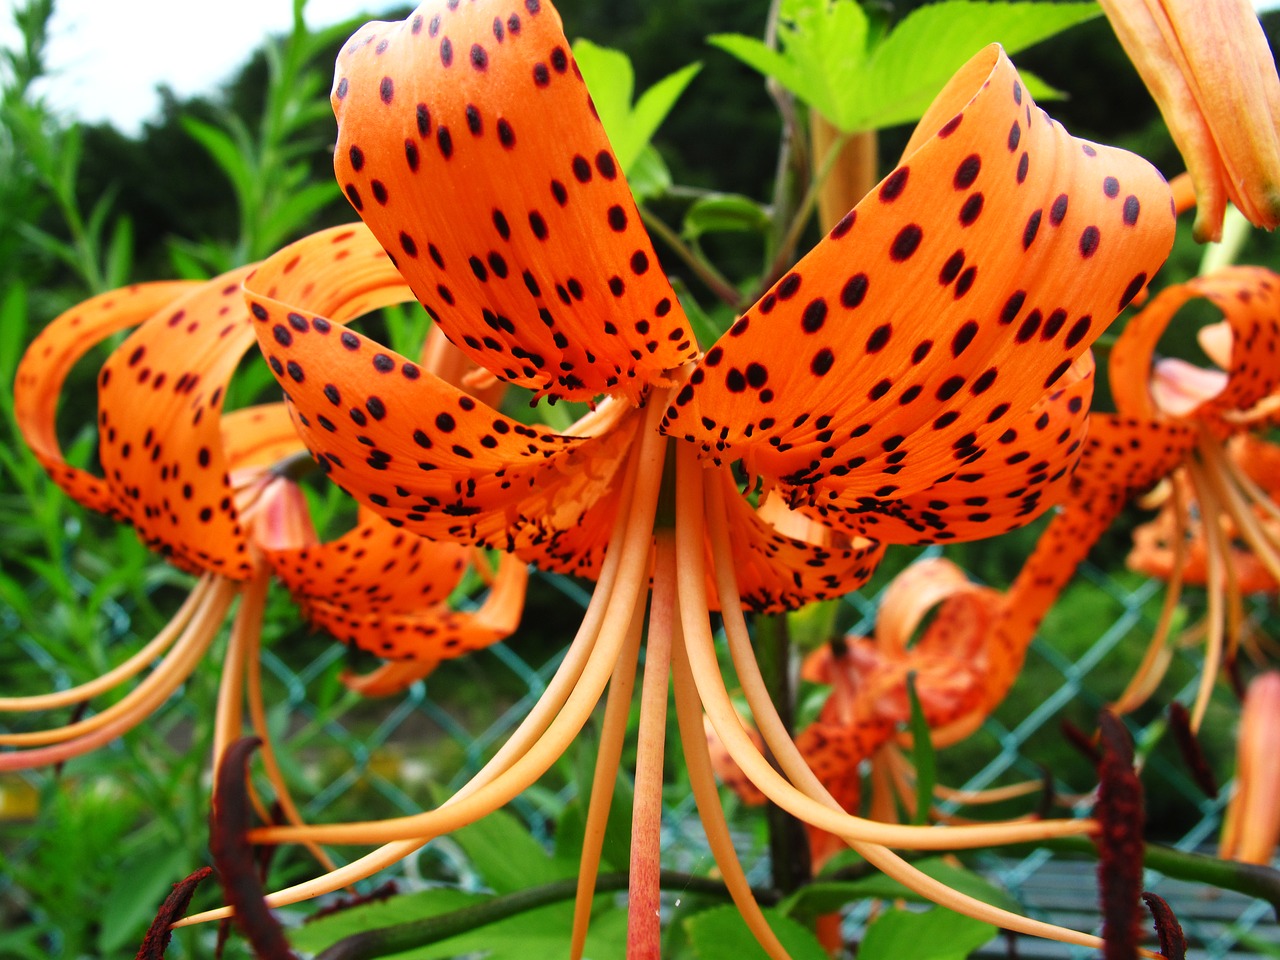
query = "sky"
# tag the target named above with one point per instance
(107, 58)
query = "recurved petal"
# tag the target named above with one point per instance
(259, 436)
(422, 453)
(1212, 74)
(780, 567)
(987, 490)
(954, 294)
(469, 144)
(50, 357)
(160, 397)
(1247, 298)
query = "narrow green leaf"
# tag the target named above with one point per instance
(922, 753)
(225, 151)
(119, 260)
(653, 107)
(649, 176)
(326, 931)
(936, 934)
(721, 934)
(13, 328)
(131, 904)
(759, 57)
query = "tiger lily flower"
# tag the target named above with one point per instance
(1201, 60)
(878, 390)
(212, 492)
(864, 715)
(1175, 421)
(1251, 826)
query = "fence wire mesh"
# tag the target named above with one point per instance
(396, 756)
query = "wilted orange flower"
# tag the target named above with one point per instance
(1208, 66)
(892, 386)
(214, 493)
(864, 716)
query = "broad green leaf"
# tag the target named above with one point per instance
(724, 213)
(505, 854)
(325, 931)
(611, 80)
(538, 934)
(936, 934)
(837, 61)
(917, 58)
(722, 934)
(649, 176)
(823, 896)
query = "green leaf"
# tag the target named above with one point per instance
(921, 754)
(505, 855)
(917, 58)
(225, 151)
(326, 931)
(825, 896)
(835, 60)
(936, 934)
(722, 934)
(724, 213)
(132, 903)
(611, 80)
(119, 261)
(649, 176)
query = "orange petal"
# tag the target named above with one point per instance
(987, 491)
(957, 292)
(1255, 815)
(1247, 297)
(469, 144)
(782, 568)
(49, 359)
(160, 396)
(1213, 76)
(259, 436)
(424, 454)
(911, 595)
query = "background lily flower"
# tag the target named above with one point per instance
(865, 714)
(1251, 828)
(213, 494)
(941, 323)
(1174, 420)
(1208, 66)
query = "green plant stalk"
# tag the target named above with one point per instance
(1247, 878)
(713, 279)
(418, 933)
(788, 843)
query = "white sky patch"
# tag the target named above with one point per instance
(106, 59)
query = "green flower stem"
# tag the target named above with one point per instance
(419, 933)
(709, 275)
(1247, 878)
(788, 844)
(1235, 233)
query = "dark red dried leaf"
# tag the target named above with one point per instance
(1189, 747)
(1120, 815)
(171, 911)
(1173, 942)
(234, 858)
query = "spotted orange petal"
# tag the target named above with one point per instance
(956, 293)
(783, 560)
(1247, 297)
(49, 359)
(469, 145)
(160, 396)
(259, 436)
(424, 454)
(987, 491)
